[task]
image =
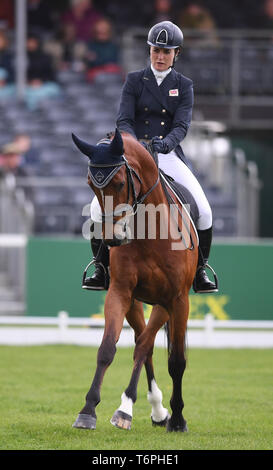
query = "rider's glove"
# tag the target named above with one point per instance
(159, 145)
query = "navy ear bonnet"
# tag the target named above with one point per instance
(105, 158)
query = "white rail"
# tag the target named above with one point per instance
(11, 240)
(62, 329)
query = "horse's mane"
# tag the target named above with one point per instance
(111, 134)
(132, 139)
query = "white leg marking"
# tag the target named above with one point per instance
(126, 405)
(159, 413)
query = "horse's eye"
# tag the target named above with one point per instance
(120, 186)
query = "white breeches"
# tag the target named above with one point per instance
(178, 170)
(173, 166)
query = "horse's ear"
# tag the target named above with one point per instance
(117, 144)
(84, 147)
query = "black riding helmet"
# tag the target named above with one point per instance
(167, 35)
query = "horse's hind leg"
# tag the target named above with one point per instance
(143, 355)
(177, 361)
(116, 306)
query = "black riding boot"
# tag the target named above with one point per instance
(100, 278)
(202, 284)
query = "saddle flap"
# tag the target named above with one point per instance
(184, 195)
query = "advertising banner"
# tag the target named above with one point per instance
(55, 268)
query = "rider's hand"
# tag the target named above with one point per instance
(159, 145)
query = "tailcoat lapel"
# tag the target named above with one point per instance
(151, 84)
(161, 93)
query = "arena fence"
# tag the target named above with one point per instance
(62, 329)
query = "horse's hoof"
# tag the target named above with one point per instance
(121, 420)
(84, 421)
(161, 423)
(177, 427)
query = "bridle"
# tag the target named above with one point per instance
(131, 173)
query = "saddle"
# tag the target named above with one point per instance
(183, 194)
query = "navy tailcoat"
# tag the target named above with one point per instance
(148, 110)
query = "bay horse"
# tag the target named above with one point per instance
(141, 270)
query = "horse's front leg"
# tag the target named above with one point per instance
(117, 303)
(122, 417)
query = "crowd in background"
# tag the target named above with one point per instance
(84, 35)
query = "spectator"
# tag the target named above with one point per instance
(7, 90)
(103, 52)
(6, 61)
(162, 11)
(11, 161)
(7, 13)
(41, 76)
(82, 16)
(31, 157)
(39, 17)
(195, 16)
(68, 53)
(198, 18)
(40, 65)
(267, 14)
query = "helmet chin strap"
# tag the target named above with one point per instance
(177, 52)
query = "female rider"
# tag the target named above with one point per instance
(156, 106)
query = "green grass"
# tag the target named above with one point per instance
(227, 395)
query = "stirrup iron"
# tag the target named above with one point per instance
(93, 261)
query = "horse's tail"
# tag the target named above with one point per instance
(169, 344)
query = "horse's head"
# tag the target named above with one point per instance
(115, 184)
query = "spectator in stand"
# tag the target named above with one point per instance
(82, 16)
(6, 60)
(41, 75)
(196, 17)
(68, 53)
(266, 15)
(103, 53)
(11, 161)
(40, 66)
(162, 10)
(7, 13)
(39, 17)
(7, 90)
(31, 155)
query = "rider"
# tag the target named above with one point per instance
(156, 106)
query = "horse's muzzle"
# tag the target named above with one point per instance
(113, 242)
(116, 241)
(121, 235)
